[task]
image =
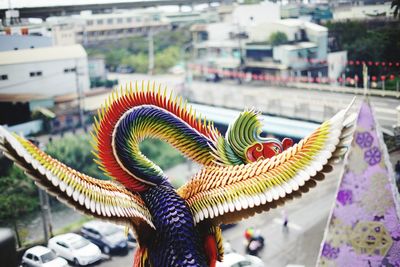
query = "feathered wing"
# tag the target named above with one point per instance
(103, 199)
(231, 193)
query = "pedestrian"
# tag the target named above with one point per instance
(285, 219)
(255, 242)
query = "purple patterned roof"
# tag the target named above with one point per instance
(364, 226)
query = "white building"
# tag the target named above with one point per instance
(18, 42)
(91, 28)
(47, 71)
(337, 62)
(298, 30)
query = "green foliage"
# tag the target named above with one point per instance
(139, 62)
(133, 51)
(18, 193)
(161, 153)
(166, 59)
(115, 56)
(374, 41)
(75, 152)
(277, 38)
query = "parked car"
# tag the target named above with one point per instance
(75, 248)
(40, 256)
(109, 237)
(236, 260)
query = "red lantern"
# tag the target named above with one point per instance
(383, 77)
(397, 64)
(369, 63)
(373, 78)
(390, 64)
(357, 62)
(383, 64)
(351, 62)
(376, 63)
(391, 77)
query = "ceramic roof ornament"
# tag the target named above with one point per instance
(243, 173)
(364, 225)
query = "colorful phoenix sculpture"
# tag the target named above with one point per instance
(243, 173)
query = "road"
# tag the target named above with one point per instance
(295, 103)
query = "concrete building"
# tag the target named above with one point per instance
(228, 46)
(361, 12)
(337, 62)
(19, 42)
(90, 29)
(97, 67)
(47, 71)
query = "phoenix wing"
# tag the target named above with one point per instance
(103, 199)
(225, 194)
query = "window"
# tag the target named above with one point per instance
(99, 21)
(67, 70)
(119, 20)
(29, 256)
(128, 20)
(109, 21)
(3, 77)
(35, 258)
(35, 73)
(90, 22)
(62, 244)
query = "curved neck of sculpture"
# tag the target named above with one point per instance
(149, 121)
(176, 241)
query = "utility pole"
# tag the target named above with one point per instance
(45, 207)
(80, 95)
(151, 52)
(365, 78)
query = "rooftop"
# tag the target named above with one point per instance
(301, 23)
(298, 46)
(42, 54)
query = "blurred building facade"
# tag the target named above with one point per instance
(49, 71)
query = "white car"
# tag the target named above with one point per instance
(75, 248)
(236, 260)
(40, 256)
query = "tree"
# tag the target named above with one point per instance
(18, 196)
(167, 58)
(115, 56)
(139, 62)
(76, 152)
(278, 38)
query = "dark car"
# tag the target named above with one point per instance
(109, 237)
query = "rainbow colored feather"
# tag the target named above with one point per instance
(243, 173)
(147, 113)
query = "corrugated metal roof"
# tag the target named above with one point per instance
(42, 54)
